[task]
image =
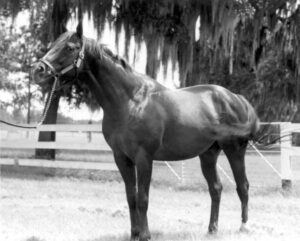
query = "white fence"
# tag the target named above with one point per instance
(11, 138)
(33, 143)
(7, 141)
(288, 151)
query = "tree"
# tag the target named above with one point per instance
(18, 52)
(237, 39)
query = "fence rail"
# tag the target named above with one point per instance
(35, 144)
(55, 127)
(288, 151)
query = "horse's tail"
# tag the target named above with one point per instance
(253, 122)
(232, 127)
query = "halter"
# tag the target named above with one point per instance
(56, 74)
(75, 65)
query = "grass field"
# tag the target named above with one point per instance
(37, 208)
(93, 207)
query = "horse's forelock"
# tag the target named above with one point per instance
(63, 39)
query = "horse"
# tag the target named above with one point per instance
(145, 121)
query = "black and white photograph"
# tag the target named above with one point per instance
(139, 120)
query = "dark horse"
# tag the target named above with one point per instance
(144, 121)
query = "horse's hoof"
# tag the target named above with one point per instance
(244, 228)
(212, 230)
(144, 239)
(134, 235)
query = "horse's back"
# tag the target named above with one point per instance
(211, 100)
(210, 106)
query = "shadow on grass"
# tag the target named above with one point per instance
(160, 236)
(33, 238)
(191, 235)
(41, 173)
(277, 190)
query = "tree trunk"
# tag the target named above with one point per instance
(186, 51)
(59, 17)
(29, 104)
(231, 55)
(152, 43)
(45, 136)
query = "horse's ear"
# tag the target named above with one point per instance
(79, 29)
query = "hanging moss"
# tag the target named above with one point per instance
(235, 36)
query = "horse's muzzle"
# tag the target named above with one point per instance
(39, 73)
(41, 68)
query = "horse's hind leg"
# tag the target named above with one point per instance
(128, 173)
(235, 151)
(209, 169)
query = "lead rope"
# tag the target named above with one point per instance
(48, 102)
(56, 75)
(45, 111)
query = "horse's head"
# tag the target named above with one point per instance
(63, 60)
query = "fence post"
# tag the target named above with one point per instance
(285, 146)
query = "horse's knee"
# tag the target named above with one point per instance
(143, 203)
(218, 187)
(243, 188)
(216, 191)
(246, 185)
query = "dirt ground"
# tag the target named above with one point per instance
(61, 209)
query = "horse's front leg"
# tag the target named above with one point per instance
(144, 171)
(128, 173)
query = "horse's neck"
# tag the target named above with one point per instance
(112, 85)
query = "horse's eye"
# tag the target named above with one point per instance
(70, 49)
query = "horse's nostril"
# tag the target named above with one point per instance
(41, 69)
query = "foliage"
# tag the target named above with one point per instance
(14, 71)
(19, 50)
(238, 40)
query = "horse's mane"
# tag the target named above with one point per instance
(94, 48)
(99, 50)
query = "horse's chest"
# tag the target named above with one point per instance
(130, 139)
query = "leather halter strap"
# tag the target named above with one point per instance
(75, 65)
